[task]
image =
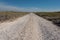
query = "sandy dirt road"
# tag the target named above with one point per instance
(29, 27)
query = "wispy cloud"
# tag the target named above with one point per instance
(5, 7)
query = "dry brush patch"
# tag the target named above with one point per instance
(5, 16)
(51, 16)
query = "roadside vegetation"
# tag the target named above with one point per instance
(10, 16)
(51, 16)
(5, 16)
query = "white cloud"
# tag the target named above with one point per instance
(9, 8)
(13, 8)
(5, 7)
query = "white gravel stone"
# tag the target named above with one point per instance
(29, 27)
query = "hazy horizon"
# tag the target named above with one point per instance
(30, 5)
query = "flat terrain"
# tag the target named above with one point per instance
(4, 16)
(29, 27)
(11, 16)
(50, 14)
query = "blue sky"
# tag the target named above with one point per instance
(30, 5)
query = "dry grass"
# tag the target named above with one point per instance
(4, 16)
(50, 14)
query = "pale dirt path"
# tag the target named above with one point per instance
(29, 27)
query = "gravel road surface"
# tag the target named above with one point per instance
(29, 27)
